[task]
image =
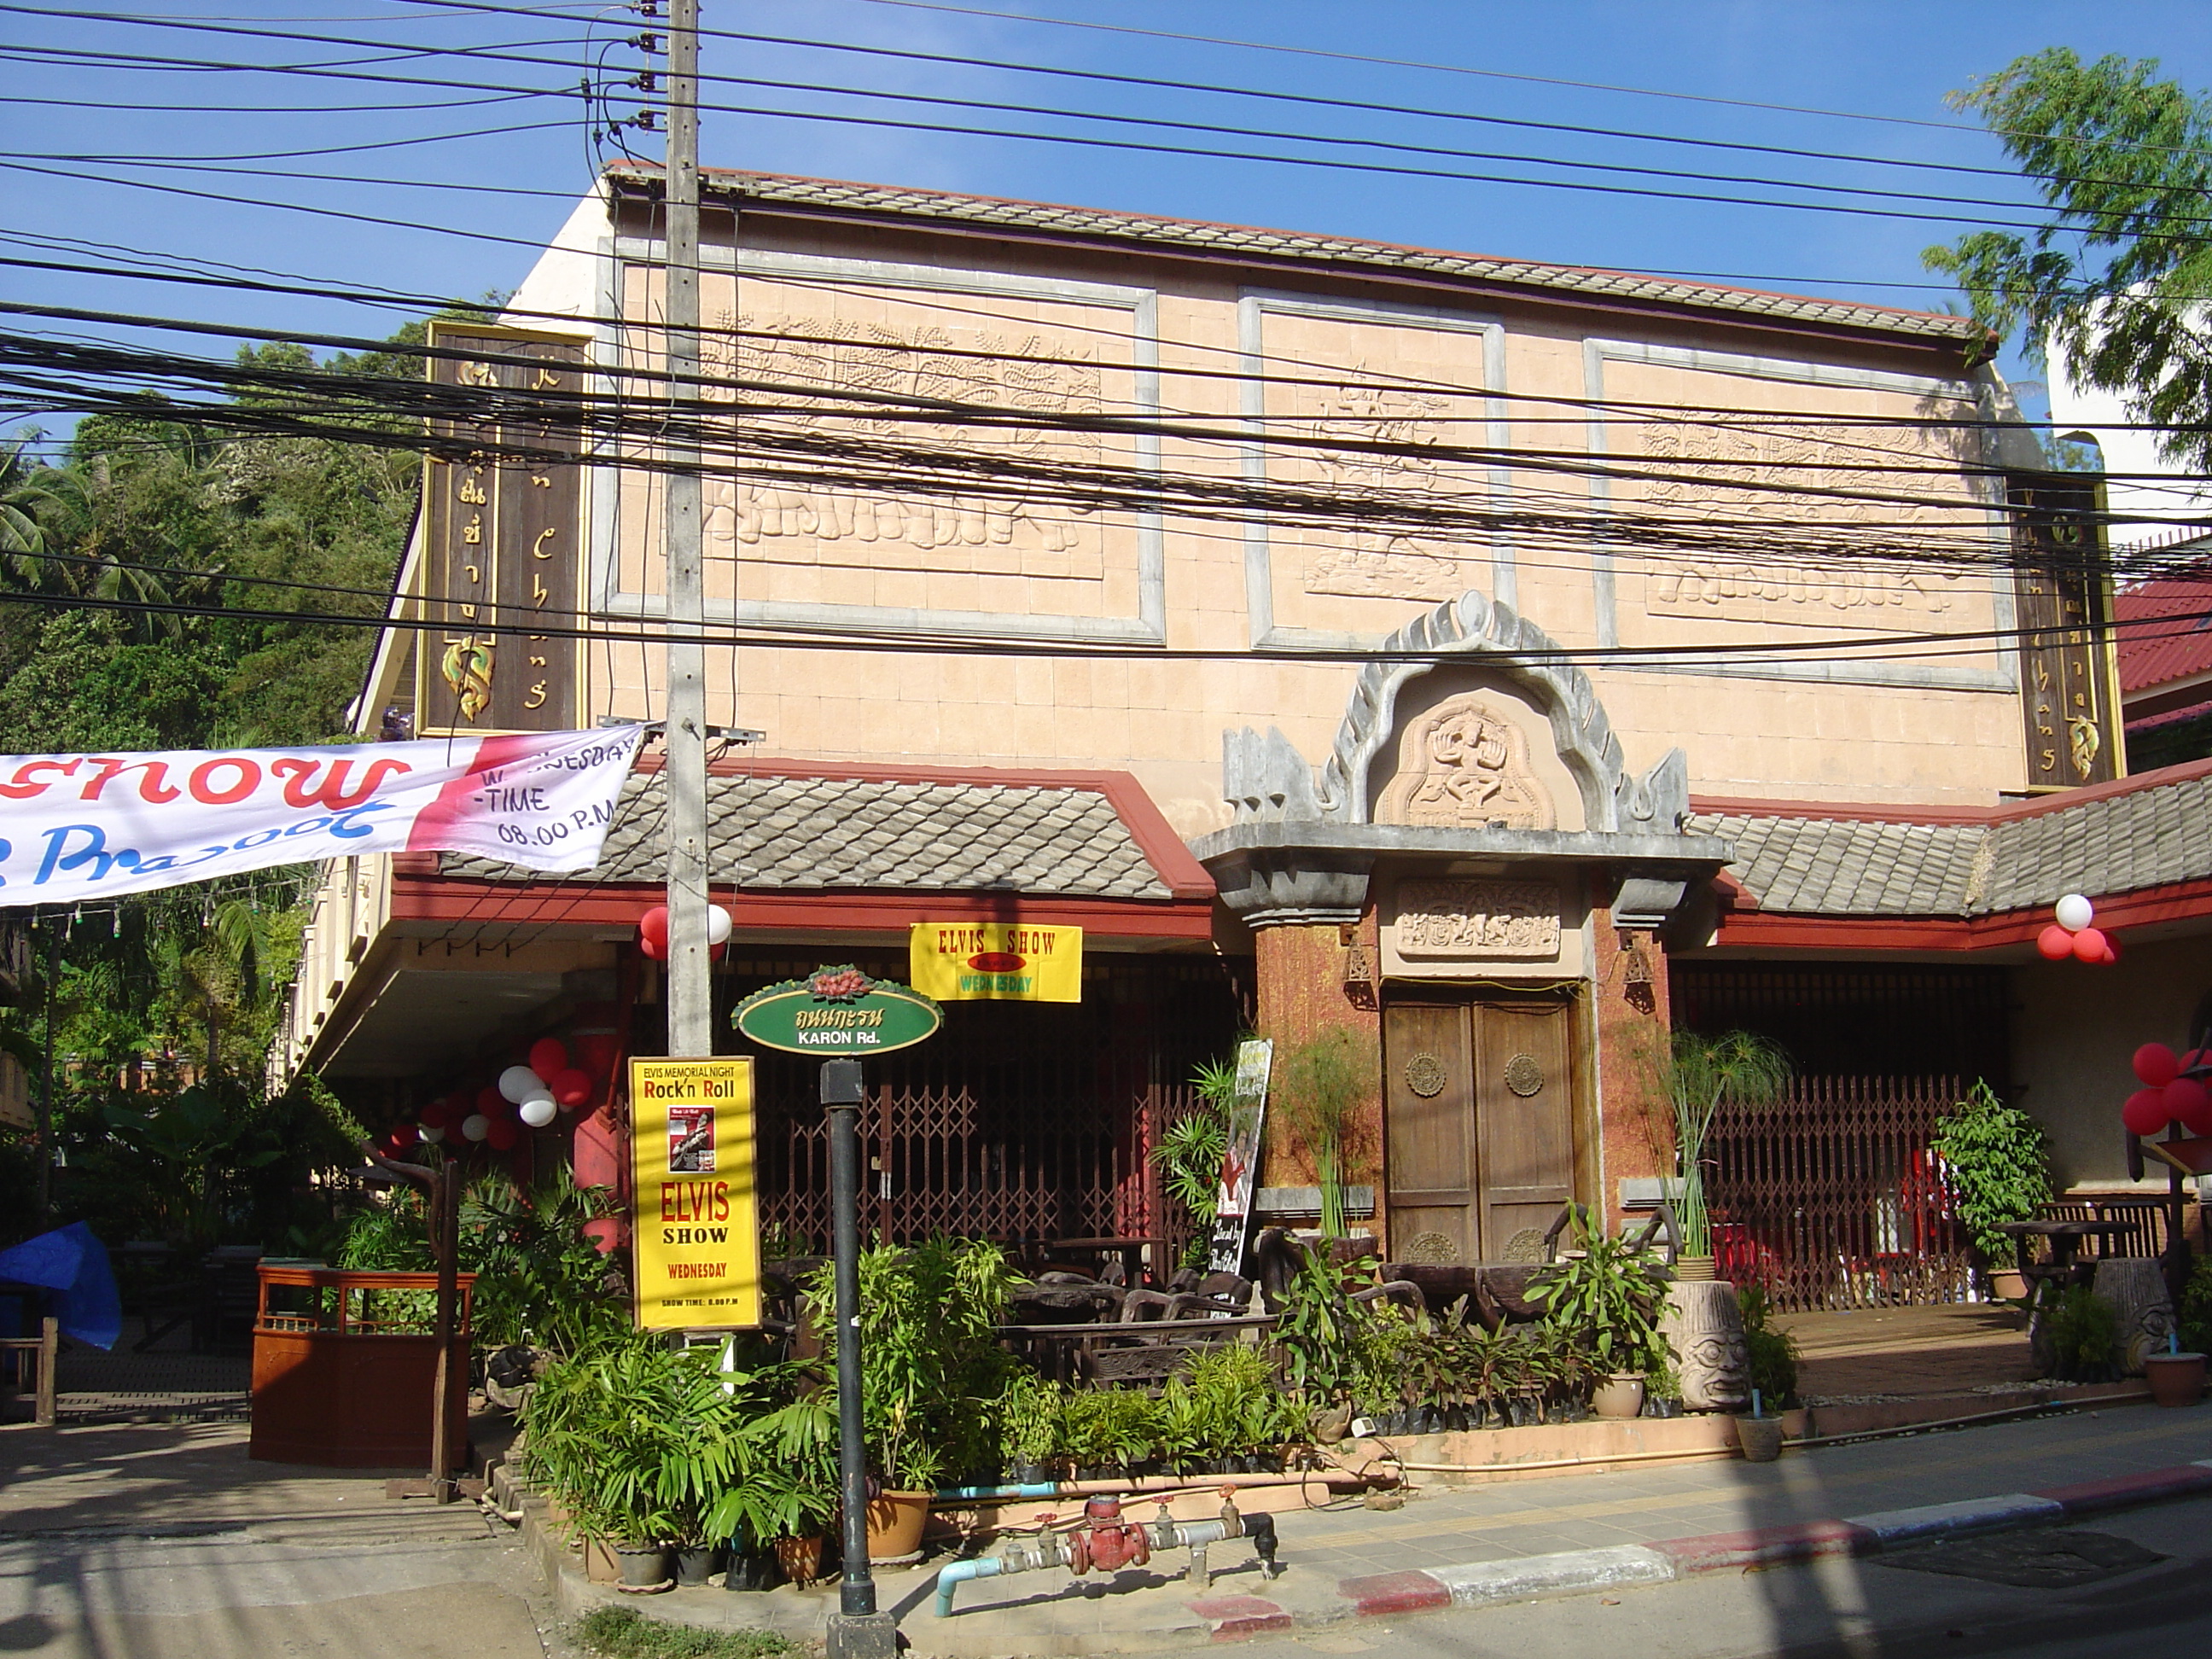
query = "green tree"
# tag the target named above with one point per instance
(2113, 278)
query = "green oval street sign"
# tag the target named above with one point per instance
(837, 1011)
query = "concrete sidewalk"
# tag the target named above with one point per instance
(1509, 1537)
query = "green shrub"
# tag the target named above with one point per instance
(1999, 1163)
(1605, 1299)
(1773, 1351)
(2084, 1334)
(2194, 1321)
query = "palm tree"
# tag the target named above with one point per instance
(1701, 1074)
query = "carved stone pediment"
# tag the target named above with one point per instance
(1464, 764)
(1478, 919)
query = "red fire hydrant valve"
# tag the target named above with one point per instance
(1105, 1540)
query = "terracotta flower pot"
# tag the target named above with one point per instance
(1760, 1438)
(895, 1523)
(1698, 1268)
(2176, 1379)
(799, 1559)
(1621, 1394)
(2007, 1283)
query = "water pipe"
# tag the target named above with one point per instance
(1105, 1540)
(1149, 1484)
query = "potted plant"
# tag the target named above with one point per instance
(1701, 1074)
(1191, 1150)
(931, 1369)
(1320, 1088)
(1605, 1299)
(1997, 1160)
(1029, 1412)
(777, 1513)
(636, 1442)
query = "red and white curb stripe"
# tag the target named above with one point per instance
(1576, 1572)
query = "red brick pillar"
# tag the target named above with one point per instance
(1301, 971)
(1628, 982)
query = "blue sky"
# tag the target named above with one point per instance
(1872, 59)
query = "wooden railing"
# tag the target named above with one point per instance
(1831, 1198)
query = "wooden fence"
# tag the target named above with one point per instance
(1831, 1200)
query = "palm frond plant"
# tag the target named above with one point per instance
(1701, 1074)
(1605, 1299)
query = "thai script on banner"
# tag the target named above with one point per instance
(995, 960)
(78, 827)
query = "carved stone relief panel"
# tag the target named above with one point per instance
(1464, 764)
(1477, 919)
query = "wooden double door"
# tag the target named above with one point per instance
(1479, 1124)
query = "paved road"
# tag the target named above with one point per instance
(132, 1542)
(1866, 1609)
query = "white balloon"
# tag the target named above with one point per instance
(718, 924)
(2075, 913)
(539, 1110)
(519, 1083)
(475, 1126)
(434, 1132)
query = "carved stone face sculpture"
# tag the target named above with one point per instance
(1703, 1322)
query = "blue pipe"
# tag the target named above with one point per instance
(1021, 1489)
(953, 1574)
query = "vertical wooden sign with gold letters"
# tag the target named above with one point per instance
(503, 540)
(2063, 587)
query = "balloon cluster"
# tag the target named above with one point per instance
(653, 932)
(2173, 1092)
(531, 1094)
(2071, 935)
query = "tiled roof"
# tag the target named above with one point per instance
(2151, 656)
(885, 201)
(768, 833)
(2016, 858)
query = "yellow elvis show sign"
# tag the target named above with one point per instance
(995, 960)
(694, 1228)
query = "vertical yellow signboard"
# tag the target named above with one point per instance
(695, 1232)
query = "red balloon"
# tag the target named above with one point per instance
(2185, 1098)
(571, 1088)
(2156, 1065)
(434, 1114)
(2194, 1057)
(2199, 1122)
(2111, 947)
(597, 1051)
(489, 1100)
(549, 1055)
(405, 1135)
(2054, 943)
(653, 933)
(2089, 946)
(503, 1134)
(2145, 1112)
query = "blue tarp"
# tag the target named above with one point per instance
(72, 1264)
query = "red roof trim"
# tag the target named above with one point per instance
(1777, 930)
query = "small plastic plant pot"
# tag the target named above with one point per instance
(1760, 1438)
(2176, 1379)
(641, 1566)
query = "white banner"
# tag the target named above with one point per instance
(78, 827)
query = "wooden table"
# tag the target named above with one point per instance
(1130, 1250)
(2065, 1238)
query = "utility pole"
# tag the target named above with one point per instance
(683, 772)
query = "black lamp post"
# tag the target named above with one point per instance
(856, 1630)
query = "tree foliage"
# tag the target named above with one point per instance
(2113, 279)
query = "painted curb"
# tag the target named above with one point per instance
(2012, 1509)
(1571, 1572)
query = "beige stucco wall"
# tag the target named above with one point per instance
(2074, 1031)
(876, 568)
